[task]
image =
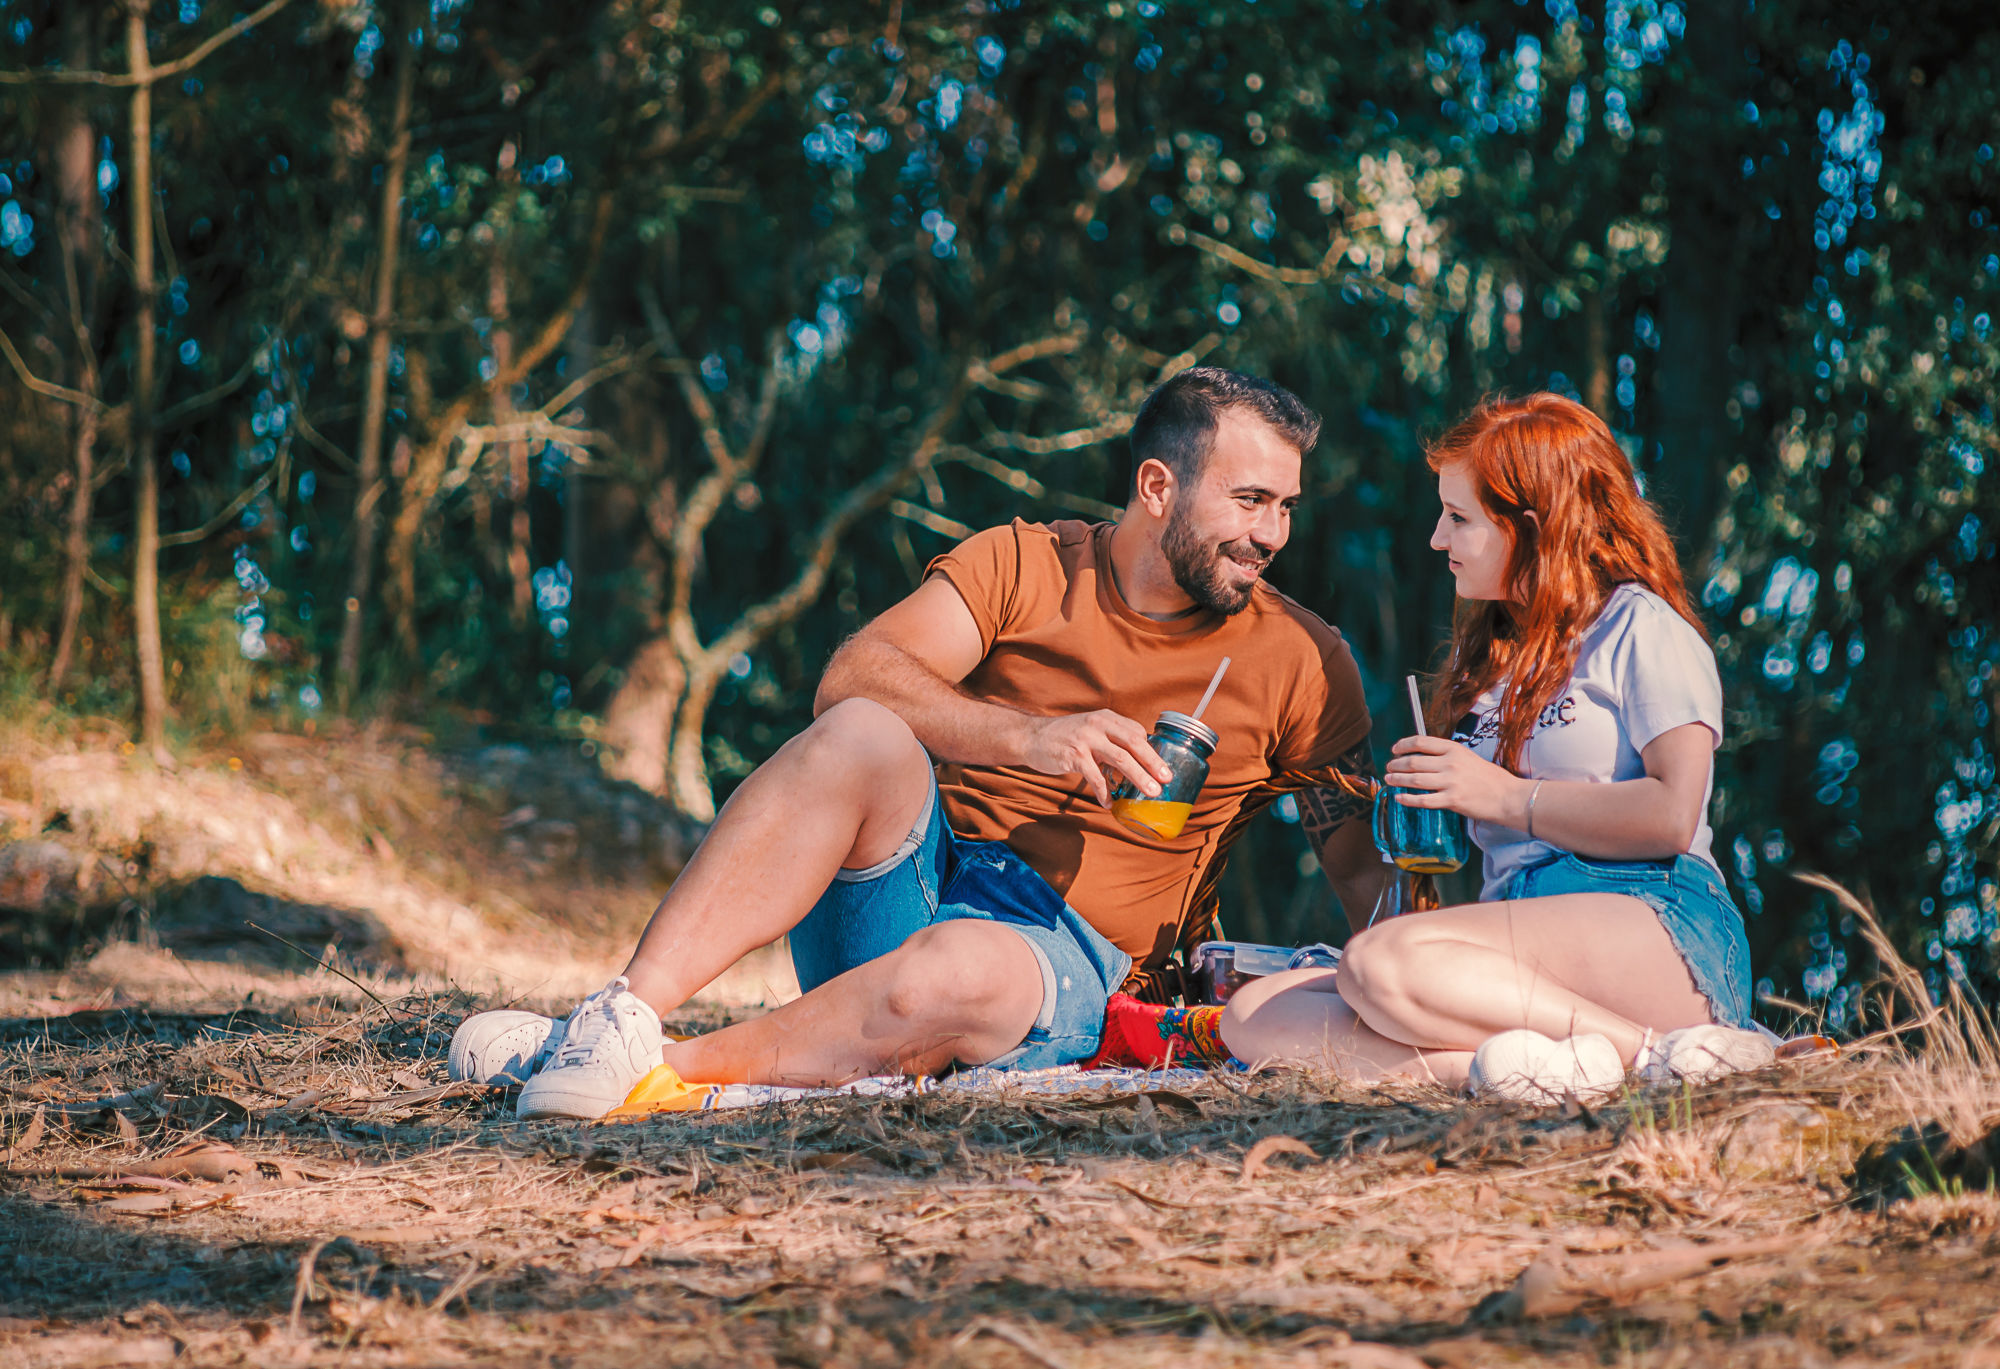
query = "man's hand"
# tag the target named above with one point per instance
(912, 659)
(1089, 744)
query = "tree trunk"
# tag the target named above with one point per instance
(1700, 294)
(513, 455)
(76, 541)
(582, 350)
(1597, 338)
(146, 519)
(375, 399)
(81, 212)
(640, 718)
(687, 767)
(81, 241)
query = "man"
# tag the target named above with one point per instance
(983, 911)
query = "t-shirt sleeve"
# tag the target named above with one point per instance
(1330, 717)
(1666, 676)
(985, 569)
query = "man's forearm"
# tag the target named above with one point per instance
(952, 725)
(1358, 881)
(1336, 822)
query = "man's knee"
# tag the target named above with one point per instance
(861, 740)
(959, 976)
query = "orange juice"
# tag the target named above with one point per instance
(1425, 865)
(1152, 817)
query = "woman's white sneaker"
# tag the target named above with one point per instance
(611, 1041)
(1529, 1067)
(1703, 1053)
(503, 1047)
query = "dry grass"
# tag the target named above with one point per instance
(424, 1226)
(1827, 1210)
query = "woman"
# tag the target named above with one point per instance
(1574, 725)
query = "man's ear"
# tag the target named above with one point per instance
(1154, 487)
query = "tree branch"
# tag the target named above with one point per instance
(1074, 440)
(166, 71)
(474, 439)
(590, 379)
(704, 501)
(1283, 275)
(196, 403)
(1017, 479)
(45, 387)
(932, 519)
(229, 511)
(760, 620)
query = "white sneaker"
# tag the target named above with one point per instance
(1532, 1068)
(1700, 1054)
(611, 1042)
(503, 1047)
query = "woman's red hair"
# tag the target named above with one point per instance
(1550, 473)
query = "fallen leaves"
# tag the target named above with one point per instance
(1261, 1153)
(213, 1161)
(1018, 1336)
(31, 1136)
(1280, 1217)
(1557, 1283)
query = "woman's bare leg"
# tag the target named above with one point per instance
(1561, 966)
(1299, 1015)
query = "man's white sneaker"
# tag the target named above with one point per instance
(611, 1042)
(1703, 1053)
(503, 1047)
(1529, 1067)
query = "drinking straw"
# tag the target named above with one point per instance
(1416, 704)
(1220, 671)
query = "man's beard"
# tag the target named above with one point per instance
(1197, 566)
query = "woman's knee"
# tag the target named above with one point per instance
(1376, 969)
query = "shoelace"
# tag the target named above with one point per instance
(593, 1017)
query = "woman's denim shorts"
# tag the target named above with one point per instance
(1694, 906)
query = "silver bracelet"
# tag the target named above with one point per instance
(1533, 794)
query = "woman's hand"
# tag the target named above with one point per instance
(1450, 775)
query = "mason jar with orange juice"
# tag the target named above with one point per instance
(1185, 744)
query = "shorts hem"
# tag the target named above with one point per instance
(904, 849)
(1679, 902)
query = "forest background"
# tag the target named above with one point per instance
(582, 374)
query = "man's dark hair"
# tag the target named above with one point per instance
(1176, 424)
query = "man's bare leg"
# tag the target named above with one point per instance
(966, 991)
(843, 794)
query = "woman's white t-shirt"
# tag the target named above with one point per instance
(1642, 670)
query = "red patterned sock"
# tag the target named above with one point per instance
(1143, 1036)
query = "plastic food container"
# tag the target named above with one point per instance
(1220, 968)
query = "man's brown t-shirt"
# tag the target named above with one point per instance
(1061, 639)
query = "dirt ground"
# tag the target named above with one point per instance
(214, 1153)
(360, 1212)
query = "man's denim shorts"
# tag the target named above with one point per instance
(1694, 906)
(939, 876)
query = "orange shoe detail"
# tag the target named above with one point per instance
(662, 1090)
